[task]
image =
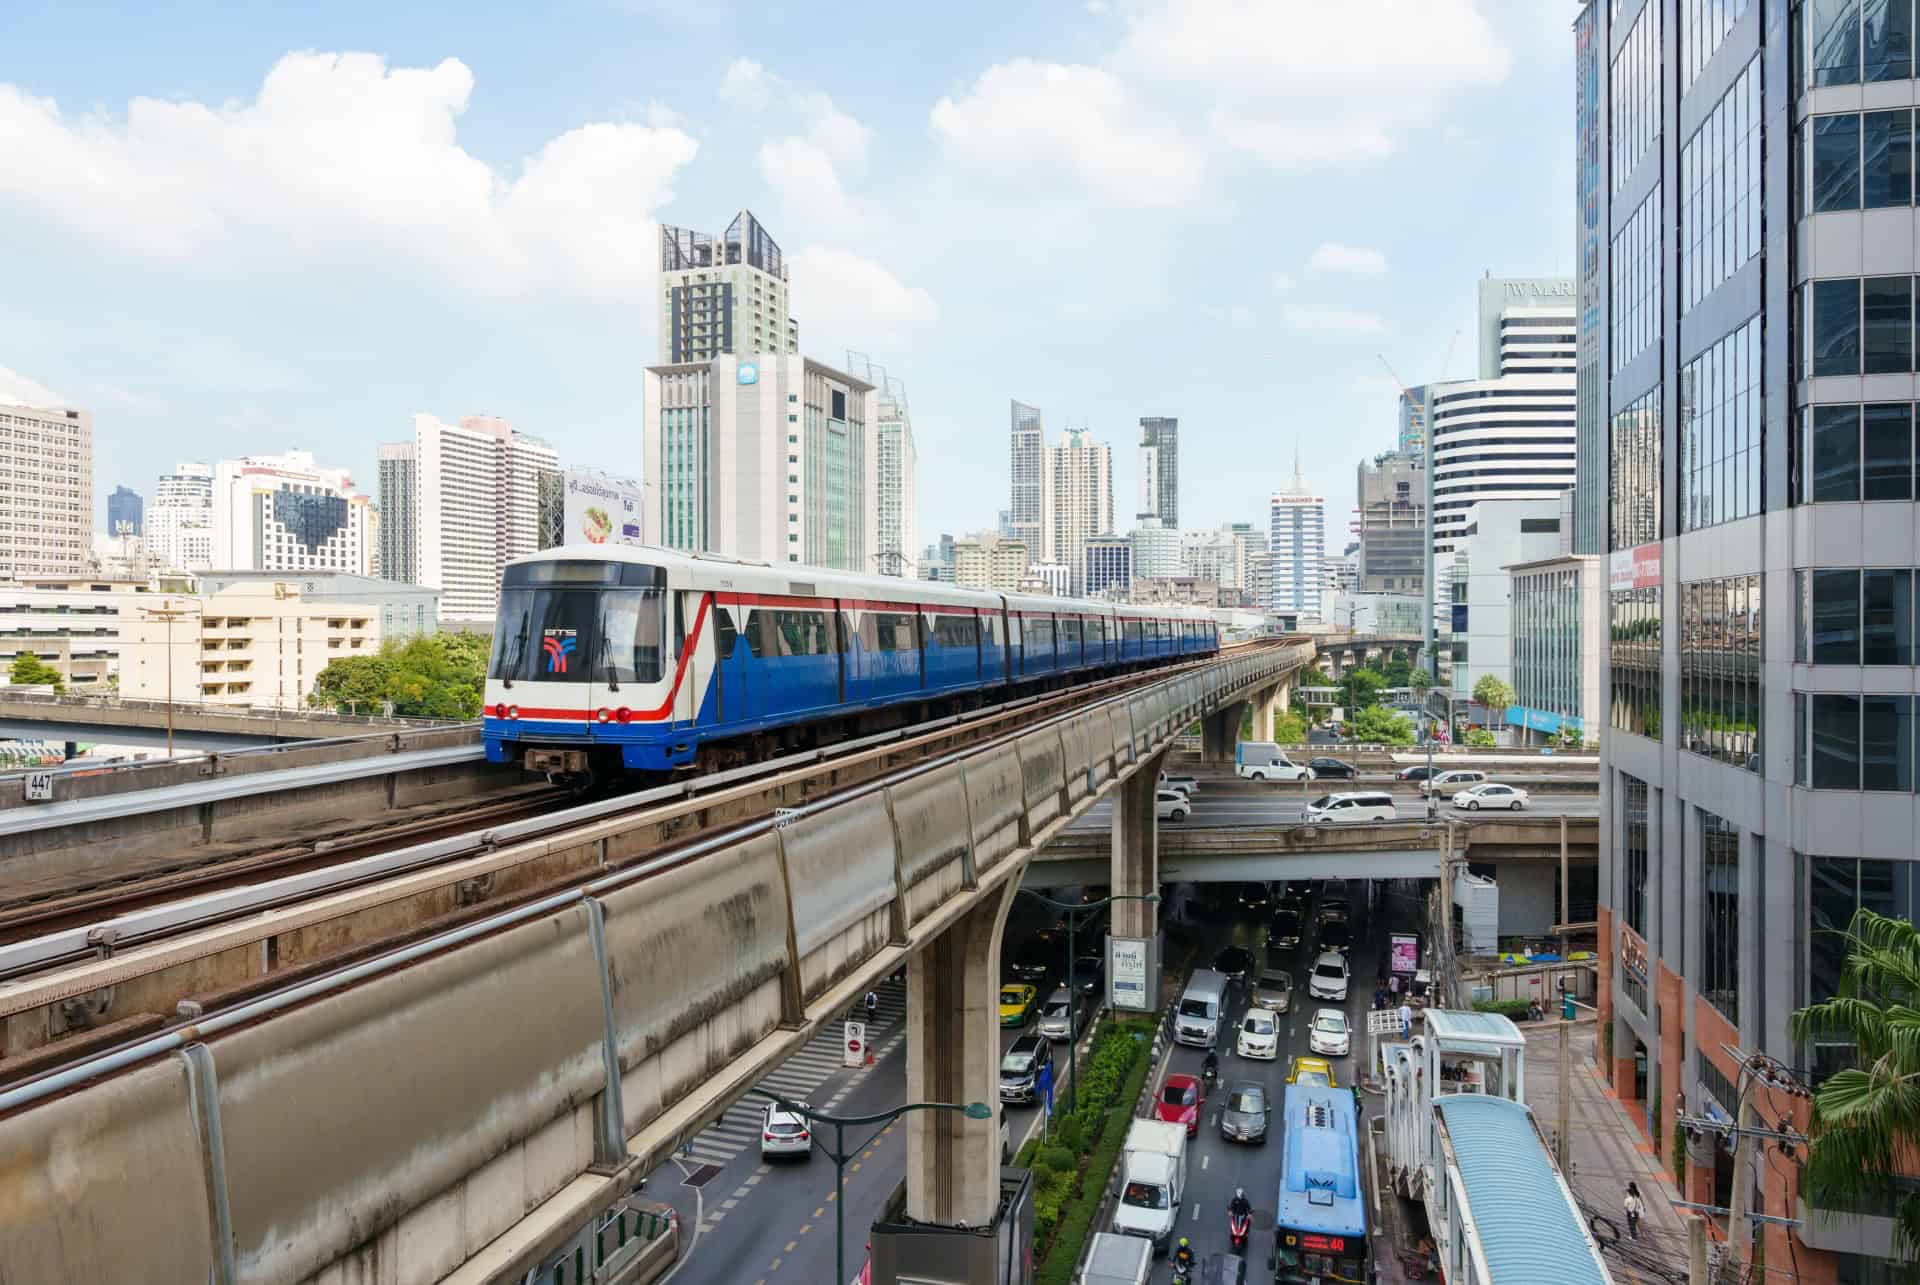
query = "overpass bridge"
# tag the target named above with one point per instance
(195, 726)
(1343, 651)
(462, 1105)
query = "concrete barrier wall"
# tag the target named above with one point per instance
(107, 1185)
(1074, 738)
(996, 804)
(840, 874)
(1042, 779)
(930, 825)
(340, 1116)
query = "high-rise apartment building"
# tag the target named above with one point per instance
(1078, 493)
(897, 465)
(46, 491)
(1109, 564)
(725, 294)
(1392, 523)
(1297, 543)
(124, 512)
(988, 561)
(1747, 279)
(476, 506)
(768, 457)
(287, 513)
(398, 552)
(1026, 509)
(179, 535)
(1160, 469)
(1156, 550)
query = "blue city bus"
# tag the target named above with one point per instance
(1321, 1219)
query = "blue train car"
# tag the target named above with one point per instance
(650, 660)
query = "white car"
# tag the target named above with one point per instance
(1491, 795)
(1329, 977)
(1259, 1035)
(1171, 805)
(1329, 1036)
(784, 1134)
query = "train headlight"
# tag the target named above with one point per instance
(513, 711)
(623, 714)
(603, 715)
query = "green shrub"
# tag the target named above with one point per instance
(1024, 1160)
(1068, 1132)
(1058, 1159)
(1069, 1234)
(1513, 1008)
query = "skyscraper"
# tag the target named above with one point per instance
(724, 294)
(46, 510)
(1078, 494)
(1297, 543)
(399, 539)
(897, 465)
(179, 535)
(1413, 421)
(124, 512)
(1160, 470)
(769, 458)
(1026, 508)
(287, 513)
(476, 506)
(1392, 526)
(1745, 246)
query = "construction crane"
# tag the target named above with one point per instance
(1416, 407)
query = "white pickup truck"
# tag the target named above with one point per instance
(1153, 1168)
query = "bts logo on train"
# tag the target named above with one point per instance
(558, 645)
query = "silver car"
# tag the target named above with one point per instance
(1273, 989)
(1060, 1019)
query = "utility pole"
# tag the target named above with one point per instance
(1739, 1224)
(168, 612)
(1697, 1250)
(1562, 1147)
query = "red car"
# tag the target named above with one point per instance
(1180, 1102)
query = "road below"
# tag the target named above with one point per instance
(1221, 809)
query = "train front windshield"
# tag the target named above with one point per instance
(579, 633)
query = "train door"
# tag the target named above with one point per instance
(729, 675)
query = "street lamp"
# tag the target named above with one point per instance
(1072, 910)
(840, 1155)
(168, 612)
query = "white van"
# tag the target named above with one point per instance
(1266, 761)
(1336, 808)
(1197, 1019)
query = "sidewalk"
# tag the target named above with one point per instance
(1608, 1151)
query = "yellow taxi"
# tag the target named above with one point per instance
(1308, 1070)
(1016, 1003)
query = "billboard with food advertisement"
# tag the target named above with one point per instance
(600, 509)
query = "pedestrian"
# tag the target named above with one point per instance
(873, 1007)
(1406, 1019)
(1634, 1207)
(1393, 985)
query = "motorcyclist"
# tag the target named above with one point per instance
(1183, 1256)
(1240, 1206)
(1210, 1069)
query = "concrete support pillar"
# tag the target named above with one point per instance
(1136, 855)
(1220, 732)
(953, 1055)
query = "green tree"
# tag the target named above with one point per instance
(1421, 682)
(29, 670)
(352, 684)
(1494, 694)
(1480, 738)
(437, 676)
(1290, 728)
(1380, 725)
(1360, 689)
(1314, 676)
(1399, 672)
(1867, 1117)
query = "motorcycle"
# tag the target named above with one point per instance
(1210, 1070)
(1238, 1225)
(1183, 1268)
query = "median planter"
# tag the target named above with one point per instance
(1065, 1204)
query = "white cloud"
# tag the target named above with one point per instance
(747, 85)
(21, 391)
(1023, 121)
(1302, 82)
(1283, 281)
(804, 176)
(340, 159)
(1331, 256)
(1335, 321)
(1099, 8)
(841, 286)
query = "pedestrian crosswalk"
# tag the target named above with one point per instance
(797, 1077)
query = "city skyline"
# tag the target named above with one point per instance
(891, 193)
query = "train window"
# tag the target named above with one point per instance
(759, 631)
(1070, 633)
(544, 635)
(803, 633)
(1014, 633)
(992, 630)
(632, 625)
(1039, 630)
(891, 630)
(955, 631)
(724, 634)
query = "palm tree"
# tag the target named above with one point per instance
(1868, 1115)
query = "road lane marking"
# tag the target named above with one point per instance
(820, 1212)
(805, 1228)
(792, 1245)
(774, 1266)
(1203, 1161)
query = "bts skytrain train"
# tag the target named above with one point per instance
(647, 660)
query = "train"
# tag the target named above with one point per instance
(638, 661)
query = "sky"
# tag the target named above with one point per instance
(248, 229)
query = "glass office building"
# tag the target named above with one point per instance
(1746, 388)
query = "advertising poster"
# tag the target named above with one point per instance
(1405, 952)
(601, 509)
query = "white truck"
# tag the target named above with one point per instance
(1265, 761)
(1118, 1260)
(1153, 1181)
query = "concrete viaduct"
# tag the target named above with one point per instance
(463, 1106)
